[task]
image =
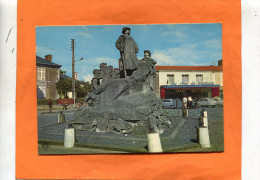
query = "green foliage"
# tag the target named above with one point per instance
(64, 86)
(80, 100)
(45, 101)
(62, 72)
(82, 88)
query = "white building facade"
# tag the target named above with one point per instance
(189, 80)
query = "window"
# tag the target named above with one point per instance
(199, 78)
(58, 74)
(185, 78)
(170, 78)
(41, 74)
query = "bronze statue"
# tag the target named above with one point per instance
(128, 49)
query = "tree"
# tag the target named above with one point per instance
(63, 87)
(82, 88)
(62, 72)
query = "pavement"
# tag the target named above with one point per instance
(55, 111)
(182, 137)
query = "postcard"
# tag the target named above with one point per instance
(129, 88)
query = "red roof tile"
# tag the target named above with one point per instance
(190, 68)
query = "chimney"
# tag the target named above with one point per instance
(220, 62)
(48, 57)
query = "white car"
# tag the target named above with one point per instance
(219, 101)
(206, 102)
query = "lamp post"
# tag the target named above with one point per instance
(73, 72)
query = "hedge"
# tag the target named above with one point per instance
(54, 101)
(45, 101)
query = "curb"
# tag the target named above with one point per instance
(56, 112)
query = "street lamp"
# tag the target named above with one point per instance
(79, 59)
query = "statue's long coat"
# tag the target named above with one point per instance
(128, 49)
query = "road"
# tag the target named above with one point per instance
(181, 137)
(52, 118)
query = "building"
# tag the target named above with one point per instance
(48, 73)
(197, 81)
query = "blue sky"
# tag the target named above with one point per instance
(170, 44)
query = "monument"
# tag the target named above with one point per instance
(122, 100)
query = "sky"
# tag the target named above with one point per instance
(170, 44)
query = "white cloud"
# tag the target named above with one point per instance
(85, 69)
(213, 43)
(42, 51)
(84, 34)
(88, 77)
(185, 56)
(85, 28)
(107, 28)
(104, 59)
(175, 33)
(163, 57)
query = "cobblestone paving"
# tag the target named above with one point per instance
(182, 137)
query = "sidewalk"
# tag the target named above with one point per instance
(44, 109)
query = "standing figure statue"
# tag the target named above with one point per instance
(128, 49)
(147, 59)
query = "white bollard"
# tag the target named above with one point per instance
(205, 113)
(205, 121)
(203, 134)
(69, 137)
(154, 142)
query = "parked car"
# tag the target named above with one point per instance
(171, 103)
(206, 102)
(168, 103)
(219, 101)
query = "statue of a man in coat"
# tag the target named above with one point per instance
(128, 49)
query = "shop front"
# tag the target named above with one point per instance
(179, 91)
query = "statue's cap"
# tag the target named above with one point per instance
(148, 51)
(125, 28)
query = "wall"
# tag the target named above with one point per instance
(208, 76)
(52, 75)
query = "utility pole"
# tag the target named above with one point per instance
(73, 71)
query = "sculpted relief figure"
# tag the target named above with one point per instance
(147, 60)
(103, 70)
(128, 49)
(110, 70)
(95, 82)
(116, 74)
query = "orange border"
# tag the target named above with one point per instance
(165, 166)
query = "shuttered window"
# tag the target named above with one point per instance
(199, 78)
(170, 78)
(41, 74)
(185, 78)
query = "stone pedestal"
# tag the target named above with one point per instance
(69, 137)
(61, 117)
(185, 112)
(154, 143)
(203, 136)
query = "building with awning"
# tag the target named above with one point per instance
(197, 81)
(178, 91)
